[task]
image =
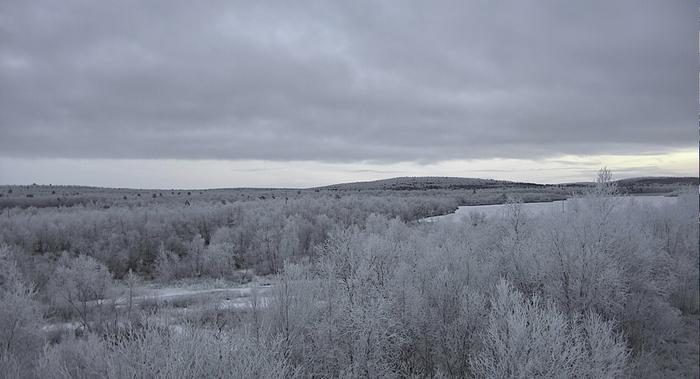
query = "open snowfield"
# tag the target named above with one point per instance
(539, 208)
(179, 298)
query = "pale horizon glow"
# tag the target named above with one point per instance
(201, 174)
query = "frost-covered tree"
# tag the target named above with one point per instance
(155, 352)
(20, 317)
(289, 240)
(80, 285)
(530, 338)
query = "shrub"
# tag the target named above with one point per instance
(529, 338)
(20, 317)
(80, 286)
(156, 352)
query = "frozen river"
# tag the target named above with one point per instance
(539, 208)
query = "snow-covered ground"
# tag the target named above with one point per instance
(186, 298)
(498, 210)
(175, 293)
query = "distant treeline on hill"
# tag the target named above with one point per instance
(465, 191)
(646, 184)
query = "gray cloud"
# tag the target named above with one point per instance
(345, 81)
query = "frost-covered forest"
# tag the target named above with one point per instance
(356, 285)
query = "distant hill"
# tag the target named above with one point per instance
(659, 180)
(657, 184)
(632, 185)
(467, 191)
(427, 183)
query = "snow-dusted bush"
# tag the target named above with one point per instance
(20, 316)
(157, 352)
(336, 317)
(219, 261)
(677, 227)
(166, 265)
(528, 338)
(80, 286)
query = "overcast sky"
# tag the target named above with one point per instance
(300, 93)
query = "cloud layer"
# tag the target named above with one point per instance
(346, 81)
